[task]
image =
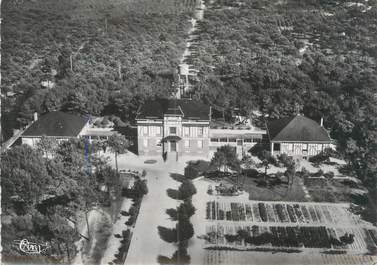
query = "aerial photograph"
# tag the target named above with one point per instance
(188, 132)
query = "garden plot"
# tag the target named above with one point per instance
(316, 214)
(227, 236)
(288, 226)
(228, 257)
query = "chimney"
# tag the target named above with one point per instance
(35, 116)
(321, 122)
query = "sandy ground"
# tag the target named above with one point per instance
(94, 218)
(114, 243)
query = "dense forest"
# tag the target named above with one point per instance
(280, 57)
(100, 56)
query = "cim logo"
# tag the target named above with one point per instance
(31, 248)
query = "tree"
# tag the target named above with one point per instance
(118, 144)
(186, 190)
(47, 145)
(24, 177)
(226, 158)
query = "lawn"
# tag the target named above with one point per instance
(279, 192)
(331, 190)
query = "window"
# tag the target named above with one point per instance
(232, 140)
(214, 140)
(187, 143)
(200, 144)
(186, 131)
(248, 140)
(200, 131)
(145, 142)
(145, 130)
(173, 130)
(224, 140)
(158, 130)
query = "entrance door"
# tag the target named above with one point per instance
(173, 146)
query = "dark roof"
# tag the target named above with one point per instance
(189, 109)
(57, 124)
(298, 128)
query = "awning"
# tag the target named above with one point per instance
(171, 138)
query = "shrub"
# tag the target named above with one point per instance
(231, 238)
(186, 190)
(131, 220)
(172, 213)
(251, 173)
(186, 210)
(191, 172)
(347, 238)
(172, 193)
(167, 234)
(286, 160)
(359, 199)
(185, 230)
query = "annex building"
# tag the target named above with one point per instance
(62, 126)
(297, 136)
(175, 127)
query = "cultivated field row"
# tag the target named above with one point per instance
(227, 257)
(320, 237)
(283, 213)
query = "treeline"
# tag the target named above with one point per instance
(103, 57)
(281, 57)
(46, 194)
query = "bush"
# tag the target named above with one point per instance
(186, 210)
(185, 230)
(191, 172)
(131, 220)
(286, 160)
(172, 193)
(250, 173)
(172, 213)
(168, 234)
(324, 156)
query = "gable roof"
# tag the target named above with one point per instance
(188, 109)
(296, 129)
(57, 123)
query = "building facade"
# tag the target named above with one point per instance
(175, 127)
(297, 136)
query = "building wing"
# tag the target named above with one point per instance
(297, 129)
(56, 124)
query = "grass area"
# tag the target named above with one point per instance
(330, 190)
(291, 192)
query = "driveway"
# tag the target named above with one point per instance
(146, 245)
